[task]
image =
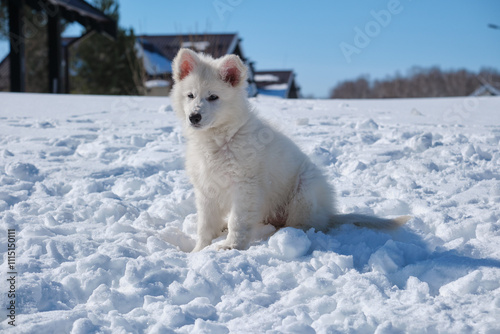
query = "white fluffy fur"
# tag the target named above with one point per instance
(245, 173)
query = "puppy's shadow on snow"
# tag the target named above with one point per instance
(403, 253)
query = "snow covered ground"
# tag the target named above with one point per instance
(104, 220)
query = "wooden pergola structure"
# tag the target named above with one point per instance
(70, 10)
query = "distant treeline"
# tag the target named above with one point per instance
(419, 82)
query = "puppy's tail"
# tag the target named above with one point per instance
(369, 221)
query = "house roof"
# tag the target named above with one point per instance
(155, 63)
(216, 45)
(275, 83)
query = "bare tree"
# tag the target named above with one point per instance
(418, 82)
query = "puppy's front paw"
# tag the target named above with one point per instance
(232, 244)
(225, 246)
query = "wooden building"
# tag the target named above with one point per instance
(13, 66)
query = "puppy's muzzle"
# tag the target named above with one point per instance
(195, 118)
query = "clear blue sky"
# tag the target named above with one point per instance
(307, 36)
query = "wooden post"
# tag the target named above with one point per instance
(16, 36)
(55, 51)
(66, 68)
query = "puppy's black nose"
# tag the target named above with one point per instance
(195, 118)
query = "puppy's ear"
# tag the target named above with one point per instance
(232, 70)
(184, 63)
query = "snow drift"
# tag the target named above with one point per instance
(104, 218)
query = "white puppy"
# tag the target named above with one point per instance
(245, 173)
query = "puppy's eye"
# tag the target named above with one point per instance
(191, 96)
(212, 97)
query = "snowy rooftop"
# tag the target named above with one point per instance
(104, 218)
(266, 77)
(275, 83)
(155, 63)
